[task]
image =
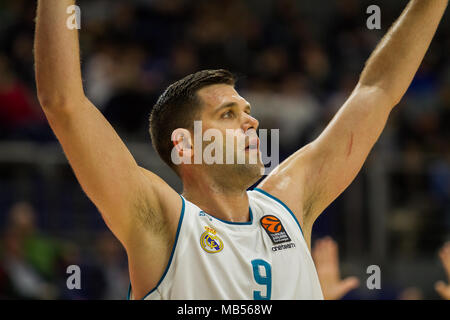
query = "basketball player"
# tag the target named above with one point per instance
(217, 240)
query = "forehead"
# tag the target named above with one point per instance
(216, 95)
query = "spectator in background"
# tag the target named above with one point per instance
(41, 251)
(28, 258)
(25, 262)
(25, 281)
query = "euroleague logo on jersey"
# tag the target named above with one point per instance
(210, 241)
(271, 224)
(274, 229)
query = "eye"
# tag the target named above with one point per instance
(227, 115)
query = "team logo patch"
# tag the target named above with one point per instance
(274, 229)
(210, 241)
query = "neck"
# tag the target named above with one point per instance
(226, 202)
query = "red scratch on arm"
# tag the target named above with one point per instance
(350, 145)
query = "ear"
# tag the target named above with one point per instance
(181, 139)
(182, 143)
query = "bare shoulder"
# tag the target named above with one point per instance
(286, 182)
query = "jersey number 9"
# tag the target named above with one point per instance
(265, 279)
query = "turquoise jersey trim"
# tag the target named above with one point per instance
(282, 203)
(236, 223)
(171, 255)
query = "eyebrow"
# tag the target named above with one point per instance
(232, 104)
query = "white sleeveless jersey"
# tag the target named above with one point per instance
(265, 258)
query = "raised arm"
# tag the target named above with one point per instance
(322, 170)
(57, 58)
(127, 196)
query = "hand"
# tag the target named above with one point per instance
(326, 258)
(442, 288)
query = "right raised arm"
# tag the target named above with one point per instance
(129, 197)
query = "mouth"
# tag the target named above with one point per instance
(253, 144)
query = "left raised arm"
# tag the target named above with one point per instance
(313, 177)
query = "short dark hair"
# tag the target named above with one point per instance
(179, 106)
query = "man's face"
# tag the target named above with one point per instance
(225, 111)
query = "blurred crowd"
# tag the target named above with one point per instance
(34, 265)
(297, 60)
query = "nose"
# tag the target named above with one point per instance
(249, 123)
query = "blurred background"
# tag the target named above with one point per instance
(298, 61)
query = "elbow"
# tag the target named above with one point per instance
(58, 107)
(387, 90)
(53, 101)
(384, 95)
(53, 95)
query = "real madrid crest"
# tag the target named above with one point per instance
(210, 241)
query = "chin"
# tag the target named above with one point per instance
(241, 176)
(248, 174)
